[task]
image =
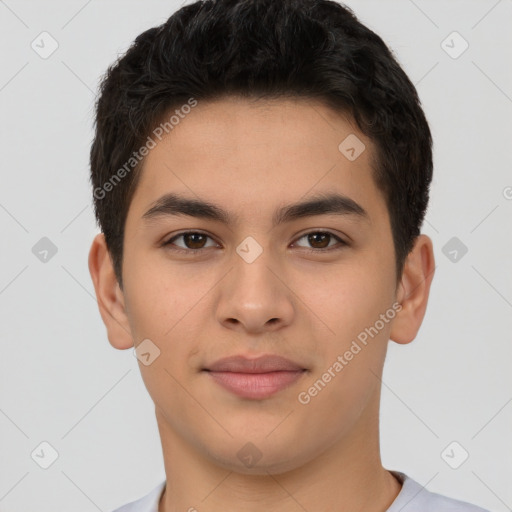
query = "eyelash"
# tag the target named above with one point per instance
(168, 243)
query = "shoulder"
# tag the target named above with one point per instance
(415, 498)
(148, 503)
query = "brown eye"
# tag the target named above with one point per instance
(190, 241)
(194, 240)
(321, 240)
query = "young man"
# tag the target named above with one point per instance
(261, 171)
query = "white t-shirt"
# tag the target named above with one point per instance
(412, 498)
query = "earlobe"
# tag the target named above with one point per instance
(414, 290)
(109, 295)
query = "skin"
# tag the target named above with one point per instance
(251, 158)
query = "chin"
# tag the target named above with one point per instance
(260, 456)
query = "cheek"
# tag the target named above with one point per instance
(157, 295)
(350, 302)
(345, 299)
(167, 306)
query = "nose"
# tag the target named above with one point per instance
(255, 297)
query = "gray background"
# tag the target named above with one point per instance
(61, 381)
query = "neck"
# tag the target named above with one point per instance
(346, 477)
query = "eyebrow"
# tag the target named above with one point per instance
(322, 204)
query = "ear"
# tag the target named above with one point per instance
(414, 290)
(109, 295)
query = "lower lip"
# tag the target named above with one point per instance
(256, 385)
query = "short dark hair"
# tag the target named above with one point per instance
(212, 49)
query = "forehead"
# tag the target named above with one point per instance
(234, 123)
(260, 152)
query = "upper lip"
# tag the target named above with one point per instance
(262, 364)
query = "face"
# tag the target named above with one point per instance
(249, 275)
